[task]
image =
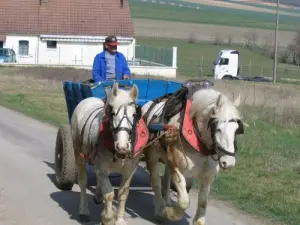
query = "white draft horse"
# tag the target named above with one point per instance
(208, 125)
(105, 136)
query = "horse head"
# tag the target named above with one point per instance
(123, 114)
(219, 122)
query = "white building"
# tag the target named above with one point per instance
(53, 32)
(62, 49)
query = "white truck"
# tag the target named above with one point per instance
(226, 64)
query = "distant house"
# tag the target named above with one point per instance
(64, 31)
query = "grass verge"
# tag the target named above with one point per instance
(266, 179)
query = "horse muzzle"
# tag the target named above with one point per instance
(227, 162)
(122, 149)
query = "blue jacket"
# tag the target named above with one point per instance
(99, 67)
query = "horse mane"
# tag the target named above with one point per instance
(204, 99)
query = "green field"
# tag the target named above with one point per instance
(196, 59)
(291, 10)
(211, 15)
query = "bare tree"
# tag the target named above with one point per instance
(250, 38)
(229, 39)
(268, 45)
(218, 39)
(284, 55)
(191, 38)
(294, 48)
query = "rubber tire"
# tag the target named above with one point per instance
(65, 167)
(189, 184)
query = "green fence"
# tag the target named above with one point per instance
(156, 55)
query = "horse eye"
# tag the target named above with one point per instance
(218, 130)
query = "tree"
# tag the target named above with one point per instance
(294, 48)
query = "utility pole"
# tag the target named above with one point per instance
(275, 44)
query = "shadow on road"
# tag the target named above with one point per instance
(139, 194)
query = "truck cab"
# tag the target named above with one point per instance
(226, 64)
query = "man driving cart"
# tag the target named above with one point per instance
(110, 64)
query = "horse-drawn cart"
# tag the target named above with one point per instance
(75, 92)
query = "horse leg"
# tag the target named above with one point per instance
(151, 158)
(84, 213)
(107, 216)
(98, 197)
(177, 212)
(166, 183)
(123, 194)
(204, 189)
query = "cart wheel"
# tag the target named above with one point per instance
(189, 184)
(65, 168)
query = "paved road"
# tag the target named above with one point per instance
(29, 197)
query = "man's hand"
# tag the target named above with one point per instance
(126, 77)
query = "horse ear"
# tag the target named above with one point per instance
(219, 102)
(237, 101)
(134, 92)
(115, 89)
(212, 112)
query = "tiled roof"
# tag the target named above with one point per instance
(66, 17)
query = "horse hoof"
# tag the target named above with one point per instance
(97, 201)
(84, 218)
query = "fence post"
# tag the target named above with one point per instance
(174, 60)
(250, 69)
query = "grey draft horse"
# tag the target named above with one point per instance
(207, 131)
(110, 151)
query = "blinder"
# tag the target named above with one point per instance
(212, 123)
(138, 112)
(240, 129)
(108, 111)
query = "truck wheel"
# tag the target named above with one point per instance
(189, 184)
(65, 167)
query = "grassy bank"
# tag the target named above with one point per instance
(266, 179)
(211, 15)
(196, 59)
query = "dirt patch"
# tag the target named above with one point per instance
(232, 5)
(205, 32)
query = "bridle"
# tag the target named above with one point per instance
(132, 130)
(216, 147)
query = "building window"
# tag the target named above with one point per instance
(51, 44)
(1, 44)
(23, 47)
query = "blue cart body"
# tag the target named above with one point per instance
(149, 89)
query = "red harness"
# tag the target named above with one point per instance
(188, 131)
(142, 136)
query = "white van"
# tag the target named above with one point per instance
(226, 64)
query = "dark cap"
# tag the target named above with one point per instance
(111, 40)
